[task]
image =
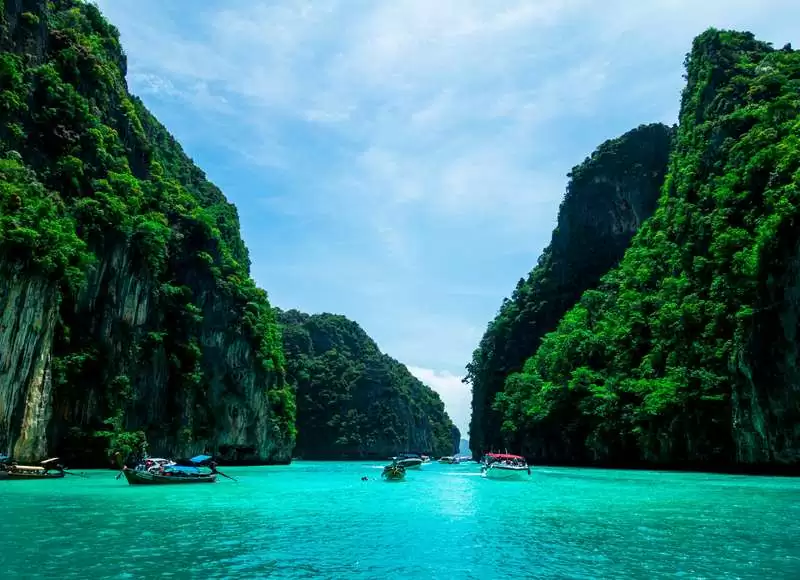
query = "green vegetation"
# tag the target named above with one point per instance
(608, 197)
(687, 352)
(97, 197)
(352, 400)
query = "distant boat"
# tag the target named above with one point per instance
(408, 460)
(449, 460)
(394, 472)
(47, 469)
(504, 466)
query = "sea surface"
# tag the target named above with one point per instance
(319, 520)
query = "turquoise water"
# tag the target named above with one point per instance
(319, 520)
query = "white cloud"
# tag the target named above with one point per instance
(455, 394)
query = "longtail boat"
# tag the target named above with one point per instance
(168, 475)
(47, 469)
(394, 472)
(156, 471)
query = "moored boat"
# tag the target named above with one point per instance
(167, 475)
(394, 472)
(504, 466)
(449, 460)
(47, 469)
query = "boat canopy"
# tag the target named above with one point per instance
(200, 458)
(504, 456)
(182, 468)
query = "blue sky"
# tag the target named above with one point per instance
(402, 162)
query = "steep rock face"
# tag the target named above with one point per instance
(352, 400)
(608, 197)
(686, 354)
(455, 436)
(131, 314)
(28, 311)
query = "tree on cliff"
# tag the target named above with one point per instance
(687, 352)
(608, 197)
(354, 401)
(159, 326)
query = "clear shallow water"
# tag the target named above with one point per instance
(319, 520)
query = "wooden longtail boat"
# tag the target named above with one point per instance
(169, 475)
(46, 470)
(394, 472)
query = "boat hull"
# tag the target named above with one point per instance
(135, 477)
(506, 473)
(410, 463)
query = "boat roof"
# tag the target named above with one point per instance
(51, 460)
(183, 468)
(504, 456)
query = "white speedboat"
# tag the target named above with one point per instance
(503, 466)
(449, 460)
(408, 460)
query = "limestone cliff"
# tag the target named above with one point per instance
(608, 198)
(28, 313)
(126, 306)
(686, 354)
(354, 401)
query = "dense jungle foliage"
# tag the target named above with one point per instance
(687, 352)
(608, 197)
(352, 400)
(91, 184)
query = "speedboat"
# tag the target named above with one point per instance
(449, 460)
(504, 466)
(408, 460)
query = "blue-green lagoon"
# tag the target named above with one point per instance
(319, 520)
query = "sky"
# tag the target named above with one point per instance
(402, 162)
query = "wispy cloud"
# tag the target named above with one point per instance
(454, 393)
(402, 162)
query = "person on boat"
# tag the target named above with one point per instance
(213, 467)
